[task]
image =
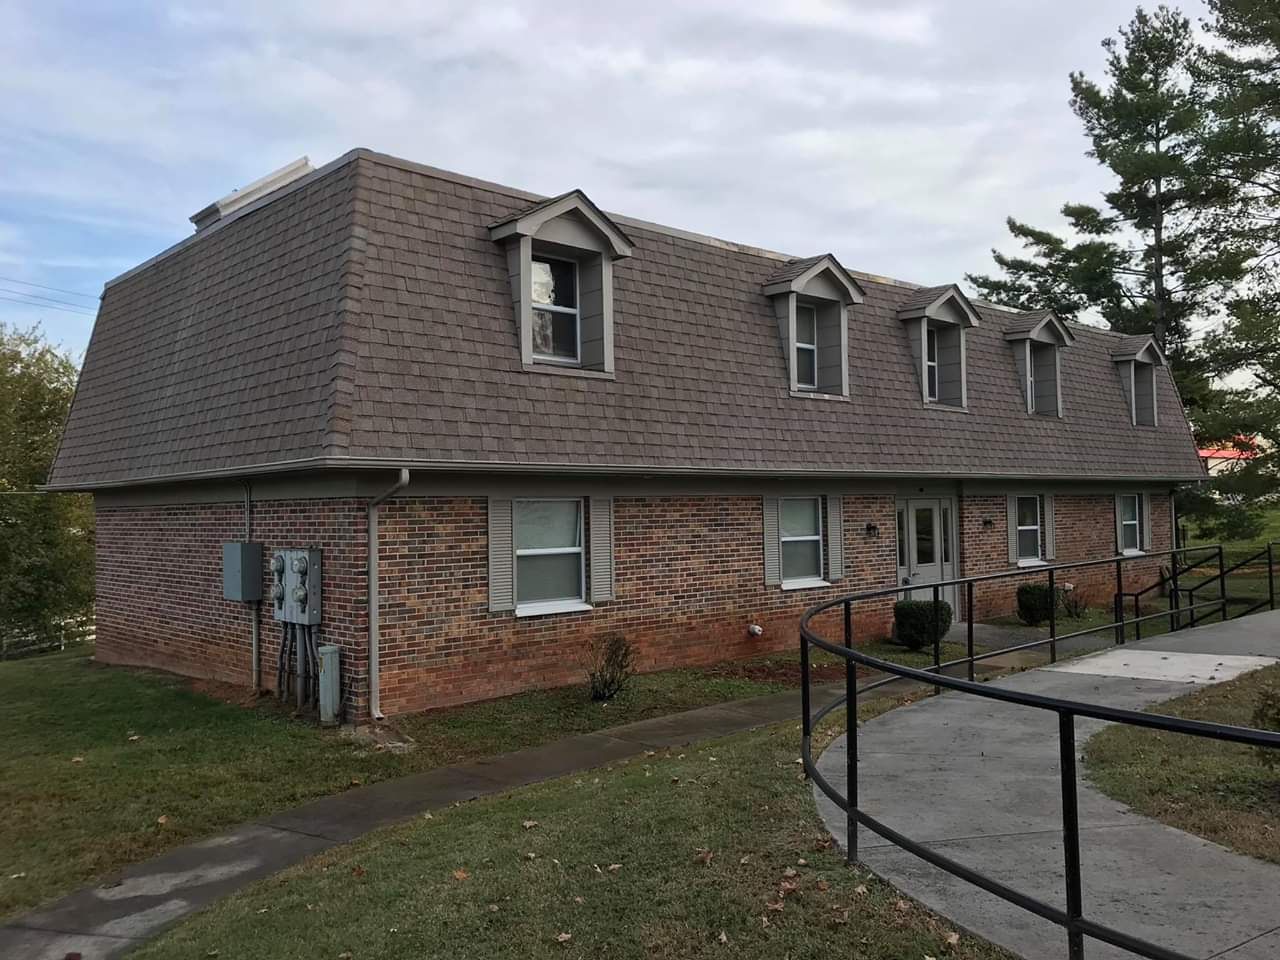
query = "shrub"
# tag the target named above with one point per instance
(609, 661)
(913, 622)
(1074, 604)
(1035, 603)
(1266, 716)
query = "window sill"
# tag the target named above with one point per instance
(949, 407)
(1133, 553)
(816, 395)
(1032, 563)
(810, 583)
(549, 607)
(566, 370)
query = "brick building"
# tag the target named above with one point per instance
(512, 423)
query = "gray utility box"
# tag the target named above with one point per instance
(242, 572)
(330, 686)
(295, 586)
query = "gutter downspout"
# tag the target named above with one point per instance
(254, 641)
(375, 706)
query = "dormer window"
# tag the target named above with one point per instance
(560, 255)
(931, 364)
(1037, 340)
(1136, 359)
(555, 310)
(936, 320)
(806, 346)
(810, 301)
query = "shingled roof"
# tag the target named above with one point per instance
(362, 317)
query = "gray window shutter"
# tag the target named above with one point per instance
(1012, 509)
(835, 539)
(502, 594)
(1050, 529)
(601, 548)
(1119, 529)
(772, 545)
(1145, 541)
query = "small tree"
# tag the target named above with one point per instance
(609, 661)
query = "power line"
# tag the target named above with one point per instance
(47, 306)
(37, 296)
(28, 283)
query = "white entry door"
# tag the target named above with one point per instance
(924, 545)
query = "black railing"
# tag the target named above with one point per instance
(1072, 918)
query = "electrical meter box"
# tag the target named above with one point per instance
(242, 572)
(295, 586)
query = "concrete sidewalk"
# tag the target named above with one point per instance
(105, 921)
(978, 780)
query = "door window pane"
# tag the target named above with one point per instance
(549, 576)
(801, 560)
(800, 518)
(924, 536)
(902, 538)
(541, 524)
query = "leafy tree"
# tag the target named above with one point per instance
(46, 540)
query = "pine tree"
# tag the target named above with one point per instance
(1145, 261)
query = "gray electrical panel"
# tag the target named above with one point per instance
(242, 572)
(330, 685)
(295, 586)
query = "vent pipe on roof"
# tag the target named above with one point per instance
(248, 194)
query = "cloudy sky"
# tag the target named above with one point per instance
(897, 134)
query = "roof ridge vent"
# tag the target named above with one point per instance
(247, 194)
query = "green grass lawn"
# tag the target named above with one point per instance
(104, 766)
(1215, 790)
(712, 851)
(1240, 549)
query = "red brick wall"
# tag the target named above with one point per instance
(689, 579)
(159, 587)
(1084, 527)
(689, 575)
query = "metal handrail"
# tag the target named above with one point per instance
(1071, 919)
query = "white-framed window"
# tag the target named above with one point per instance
(1133, 537)
(806, 346)
(931, 362)
(549, 567)
(801, 540)
(556, 326)
(1030, 534)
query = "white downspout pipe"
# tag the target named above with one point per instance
(375, 706)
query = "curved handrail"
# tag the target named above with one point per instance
(1072, 918)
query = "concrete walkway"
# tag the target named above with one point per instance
(105, 921)
(978, 780)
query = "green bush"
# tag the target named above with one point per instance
(1035, 603)
(1266, 716)
(913, 622)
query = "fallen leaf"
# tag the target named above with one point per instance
(788, 886)
(615, 867)
(427, 816)
(162, 819)
(134, 739)
(578, 900)
(789, 872)
(17, 876)
(563, 937)
(531, 855)
(776, 907)
(803, 862)
(952, 939)
(358, 871)
(902, 905)
(77, 759)
(493, 908)
(345, 956)
(860, 889)
(703, 856)
(744, 860)
(355, 782)
(460, 874)
(823, 885)
(724, 937)
(529, 824)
